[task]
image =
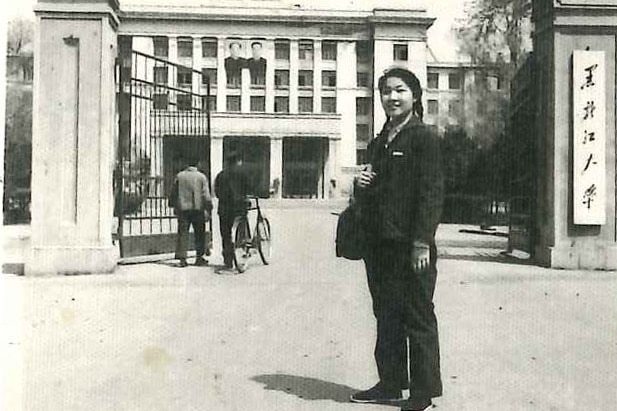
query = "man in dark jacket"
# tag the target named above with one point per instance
(193, 204)
(230, 187)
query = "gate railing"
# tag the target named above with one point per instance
(158, 100)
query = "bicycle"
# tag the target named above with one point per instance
(246, 242)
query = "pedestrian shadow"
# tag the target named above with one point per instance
(307, 388)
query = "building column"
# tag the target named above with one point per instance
(417, 61)
(560, 241)
(293, 76)
(271, 63)
(74, 131)
(245, 97)
(197, 64)
(346, 101)
(317, 68)
(144, 69)
(172, 49)
(330, 170)
(382, 59)
(216, 156)
(276, 164)
(221, 76)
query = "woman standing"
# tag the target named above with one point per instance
(401, 195)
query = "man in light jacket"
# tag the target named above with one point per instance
(193, 204)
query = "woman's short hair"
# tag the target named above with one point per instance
(412, 82)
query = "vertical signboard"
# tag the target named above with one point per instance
(589, 126)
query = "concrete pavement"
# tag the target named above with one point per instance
(299, 334)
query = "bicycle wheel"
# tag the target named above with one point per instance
(242, 244)
(264, 240)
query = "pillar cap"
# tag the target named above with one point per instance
(101, 8)
(114, 4)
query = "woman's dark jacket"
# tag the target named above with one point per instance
(405, 199)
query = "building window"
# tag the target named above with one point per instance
(160, 75)
(233, 103)
(363, 79)
(185, 47)
(328, 104)
(281, 79)
(305, 78)
(433, 107)
(432, 81)
(160, 101)
(361, 156)
(210, 103)
(185, 76)
(363, 51)
(209, 47)
(328, 50)
(454, 108)
(183, 102)
(258, 104)
(161, 46)
(208, 74)
(305, 104)
(281, 50)
(363, 133)
(328, 78)
(281, 104)
(495, 81)
(363, 106)
(454, 81)
(305, 50)
(400, 52)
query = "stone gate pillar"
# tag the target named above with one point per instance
(73, 142)
(574, 47)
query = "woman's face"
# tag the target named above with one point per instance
(396, 98)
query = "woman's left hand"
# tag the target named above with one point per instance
(420, 258)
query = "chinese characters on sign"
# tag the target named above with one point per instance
(589, 106)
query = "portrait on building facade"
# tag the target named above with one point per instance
(257, 64)
(234, 63)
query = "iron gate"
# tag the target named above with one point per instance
(164, 117)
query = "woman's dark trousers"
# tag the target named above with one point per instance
(403, 307)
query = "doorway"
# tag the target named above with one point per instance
(255, 155)
(303, 167)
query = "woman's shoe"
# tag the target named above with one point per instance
(417, 405)
(376, 394)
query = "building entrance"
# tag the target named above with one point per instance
(303, 167)
(255, 154)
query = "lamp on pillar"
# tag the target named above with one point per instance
(73, 137)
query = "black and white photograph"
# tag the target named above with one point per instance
(363, 205)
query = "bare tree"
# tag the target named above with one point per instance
(20, 33)
(496, 31)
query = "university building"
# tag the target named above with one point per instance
(292, 89)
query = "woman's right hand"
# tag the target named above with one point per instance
(366, 178)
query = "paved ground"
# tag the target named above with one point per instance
(299, 334)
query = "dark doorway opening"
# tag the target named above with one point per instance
(255, 154)
(303, 167)
(176, 151)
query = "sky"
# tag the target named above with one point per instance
(440, 38)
